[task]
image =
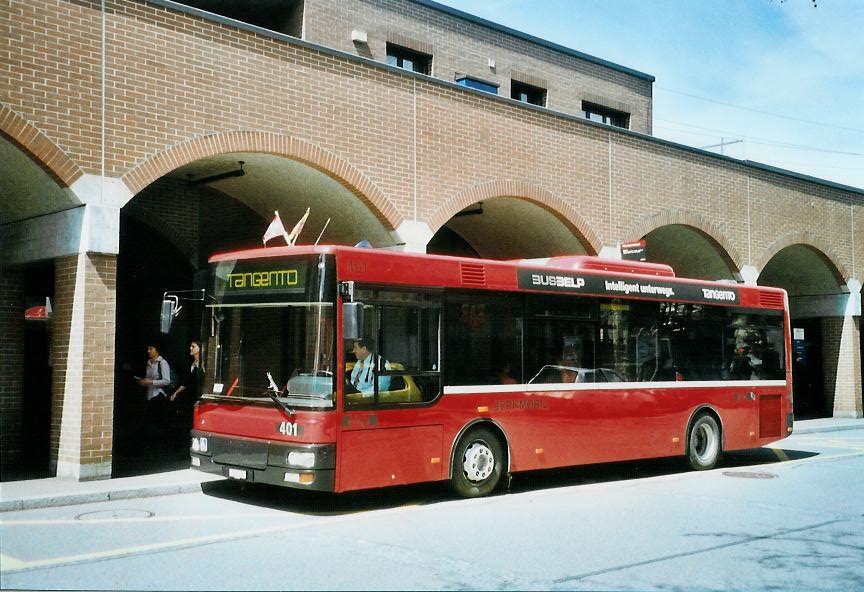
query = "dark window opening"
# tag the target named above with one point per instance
(527, 93)
(605, 115)
(282, 16)
(408, 59)
(478, 84)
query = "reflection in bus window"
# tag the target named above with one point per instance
(484, 335)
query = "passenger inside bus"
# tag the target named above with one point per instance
(740, 368)
(770, 368)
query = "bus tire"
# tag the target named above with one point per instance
(704, 444)
(478, 463)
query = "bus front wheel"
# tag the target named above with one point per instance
(477, 463)
(704, 447)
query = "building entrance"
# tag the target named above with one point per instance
(808, 385)
(147, 266)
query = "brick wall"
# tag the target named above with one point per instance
(11, 366)
(175, 78)
(82, 351)
(842, 366)
(463, 47)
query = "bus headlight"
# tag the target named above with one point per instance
(301, 459)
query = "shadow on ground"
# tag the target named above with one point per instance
(328, 504)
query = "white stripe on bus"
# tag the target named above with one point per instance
(608, 386)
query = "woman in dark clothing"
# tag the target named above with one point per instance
(188, 392)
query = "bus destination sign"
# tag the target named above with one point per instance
(278, 278)
(559, 281)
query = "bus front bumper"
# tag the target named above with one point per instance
(301, 466)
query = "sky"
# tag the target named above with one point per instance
(786, 78)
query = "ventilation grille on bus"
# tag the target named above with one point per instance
(771, 300)
(473, 275)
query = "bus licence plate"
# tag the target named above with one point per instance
(236, 473)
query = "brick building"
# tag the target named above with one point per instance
(139, 136)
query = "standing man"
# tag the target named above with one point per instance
(363, 373)
(157, 378)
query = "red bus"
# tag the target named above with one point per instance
(336, 368)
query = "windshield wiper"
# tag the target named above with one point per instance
(276, 400)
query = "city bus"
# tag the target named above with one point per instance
(477, 369)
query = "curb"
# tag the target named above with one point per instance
(828, 428)
(71, 499)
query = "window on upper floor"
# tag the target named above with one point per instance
(477, 84)
(527, 93)
(282, 16)
(408, 59)
(605, 115)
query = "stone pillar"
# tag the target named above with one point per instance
(412, 236)
(82, 355)
(841, 359)
(11, 368)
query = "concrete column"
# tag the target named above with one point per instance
(749, 275)
(610, 252)
(82, 353)
(412, 236)
(11, 368)
(841, 353)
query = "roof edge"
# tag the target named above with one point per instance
(531, 38)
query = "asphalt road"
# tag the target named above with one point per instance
(783, 518)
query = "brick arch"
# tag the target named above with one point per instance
(267, 143)
(44, 152)
(806, 239)
(556, 206)
(699, 223)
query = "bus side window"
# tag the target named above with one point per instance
(409, 336)
(404, 327)
(484, 339)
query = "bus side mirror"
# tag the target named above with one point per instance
(352, 320)
(170, 309)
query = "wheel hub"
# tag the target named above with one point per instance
(704, 442)
(479, 462)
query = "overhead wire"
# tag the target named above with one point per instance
(760, 111)
(756, 139)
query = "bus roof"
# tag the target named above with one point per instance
(563, 274)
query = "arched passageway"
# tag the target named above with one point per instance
(507, 228)
(816, 301)
(167, 233)
(690, 251)
(28, 190)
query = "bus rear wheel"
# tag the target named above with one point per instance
(477, 463)
(704, 447)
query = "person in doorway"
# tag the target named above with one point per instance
(365, 369)
(188, 393)
(157, 378)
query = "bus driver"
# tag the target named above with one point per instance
(363, 373)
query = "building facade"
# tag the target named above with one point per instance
(138, 137)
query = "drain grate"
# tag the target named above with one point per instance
(749, 475)
(118, 514)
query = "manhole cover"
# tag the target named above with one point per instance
(749, 475)
(119, 514)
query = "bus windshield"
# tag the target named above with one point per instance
(274, 319)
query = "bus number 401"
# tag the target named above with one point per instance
(287, 428)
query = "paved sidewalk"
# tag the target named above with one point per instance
(44, 493)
